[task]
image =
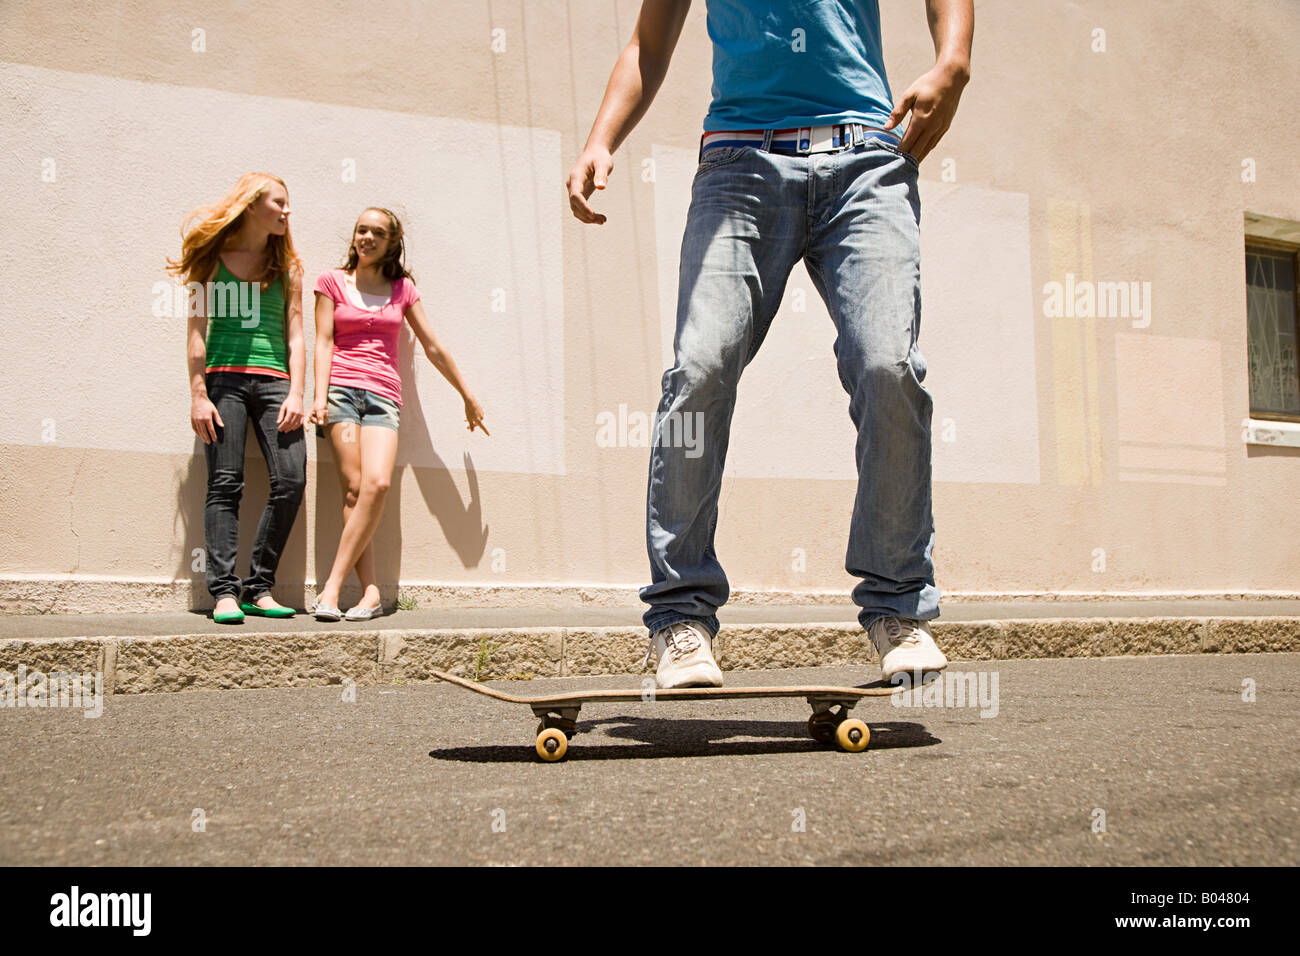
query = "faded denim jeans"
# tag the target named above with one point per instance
(242, 400)
(853, 216)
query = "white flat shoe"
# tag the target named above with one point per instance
(324, 612)
(360, 613)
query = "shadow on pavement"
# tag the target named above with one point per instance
(659, 737)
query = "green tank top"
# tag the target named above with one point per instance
(245, 324)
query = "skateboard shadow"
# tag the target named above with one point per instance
(695, 737)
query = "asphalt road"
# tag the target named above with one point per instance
(1184, 770)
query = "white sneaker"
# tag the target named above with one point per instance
(685, 654)
(904, 644)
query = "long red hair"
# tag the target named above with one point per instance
(205, 229)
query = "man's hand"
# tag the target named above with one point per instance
(932, 101)
(590, 172)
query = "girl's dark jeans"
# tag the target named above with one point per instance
(244, 399)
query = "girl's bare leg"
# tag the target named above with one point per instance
(378, 452)
(344, 439)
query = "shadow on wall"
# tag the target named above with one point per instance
(1272, 451)
(191, 494)
(461, 522)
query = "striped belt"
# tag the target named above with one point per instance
(798, 140)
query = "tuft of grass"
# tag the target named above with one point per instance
(484, 658)
(407, 603)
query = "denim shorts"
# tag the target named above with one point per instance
(348, 404)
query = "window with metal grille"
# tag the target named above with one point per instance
(1273, 330)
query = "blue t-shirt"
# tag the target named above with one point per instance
(797, 63)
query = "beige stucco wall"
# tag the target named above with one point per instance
(1097, 455)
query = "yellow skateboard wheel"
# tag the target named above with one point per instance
(852, 735)
(552, 744)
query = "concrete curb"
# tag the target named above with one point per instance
(98, 594)
(165, 663)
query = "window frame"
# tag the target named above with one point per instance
(1268, 244)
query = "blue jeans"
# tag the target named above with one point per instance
(361, 407)
(853, 216)
(243, 399)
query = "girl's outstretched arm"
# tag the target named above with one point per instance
(444, 363)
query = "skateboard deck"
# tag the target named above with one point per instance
(829, 723)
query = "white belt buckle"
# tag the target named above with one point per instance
(821, 139)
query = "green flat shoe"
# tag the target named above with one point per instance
(256, 611)
(229, 617)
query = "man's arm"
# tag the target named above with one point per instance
(632, 86)
(933, 98)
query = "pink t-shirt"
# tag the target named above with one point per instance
(365, 342)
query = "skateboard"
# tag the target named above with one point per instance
(829, 724)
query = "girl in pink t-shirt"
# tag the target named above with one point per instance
(359, 313)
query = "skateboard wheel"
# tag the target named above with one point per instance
(852, 735)
(552, 744)
(821, 727)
